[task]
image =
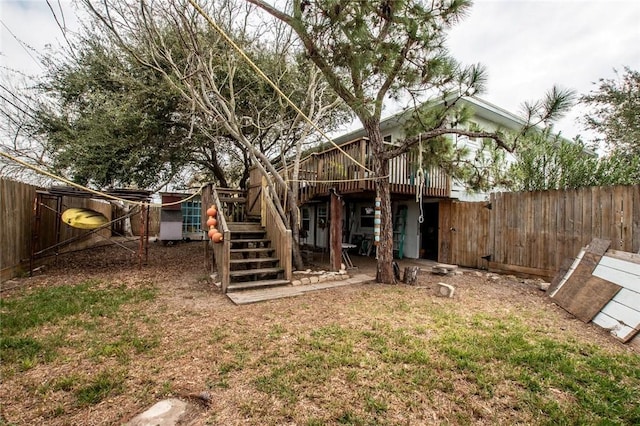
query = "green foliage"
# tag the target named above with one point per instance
(101, 386)
(111, 122)
(368, 49)
(615, 112)
(480, 169)
(551, 162)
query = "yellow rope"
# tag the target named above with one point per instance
(268, 80)
(334, 180)
(93, 191)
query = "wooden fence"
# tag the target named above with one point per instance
(16, 215)
(533, 232)
(464, 233)
(154, 222)
(17, 219)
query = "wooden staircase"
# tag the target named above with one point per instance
(253, 263)
(255, 251)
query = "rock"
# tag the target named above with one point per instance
(446, 266)
(314, 279)
(305, 281)
(164, 413)
(296, 282)
(444, 269)
(445, 290)
(544, 286)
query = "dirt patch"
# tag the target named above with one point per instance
(202, 342)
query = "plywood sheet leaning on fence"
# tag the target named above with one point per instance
(622, 314)
(578, 291)
(602, 286)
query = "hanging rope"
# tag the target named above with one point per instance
(100, 194)
(275, 87)
(420, 180)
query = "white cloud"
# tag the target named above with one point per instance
(29, 28)
(528, 46)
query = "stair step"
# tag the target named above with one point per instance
(256, 284)
(253, 260)
(240, 225)
(248, 272)
(232, 199)
(251, 240)
(253, 250)
(248, 231)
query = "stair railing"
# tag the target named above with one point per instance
(222, 250)
(276, 230)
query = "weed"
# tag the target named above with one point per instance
(62, 306)
(104, 384)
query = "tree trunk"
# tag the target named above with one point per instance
(295, 232)
(127, 228)
(384, 257)
(411, 275)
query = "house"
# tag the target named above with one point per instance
(417, 219)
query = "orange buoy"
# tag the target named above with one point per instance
(212, 211)
(212, 222)
(217, 237)
(212, 232)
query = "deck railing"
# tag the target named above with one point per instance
(276, 230)
(222, 250)
(332, 168)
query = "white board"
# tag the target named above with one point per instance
(628, 298)
(616, 327)
(625, 274)
(622, 313)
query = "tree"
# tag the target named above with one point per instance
(197, 62)
(370, 51)
(18, 106)
(615, 112)
(549, 161)
(109, 123)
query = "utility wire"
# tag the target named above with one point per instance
(22, 44)
(268, 80)
(93, 191)
(63, 27)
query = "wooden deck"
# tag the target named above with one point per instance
(254, 296)
(336, 168)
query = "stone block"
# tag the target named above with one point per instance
(445, 290)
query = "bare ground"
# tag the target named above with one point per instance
(190, 316)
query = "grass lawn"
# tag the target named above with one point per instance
(98, 348)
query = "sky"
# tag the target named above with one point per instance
(527, 46)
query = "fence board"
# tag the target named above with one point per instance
(17, 219)
(16, 213)
(538, 230)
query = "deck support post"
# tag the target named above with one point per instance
(335, 231)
